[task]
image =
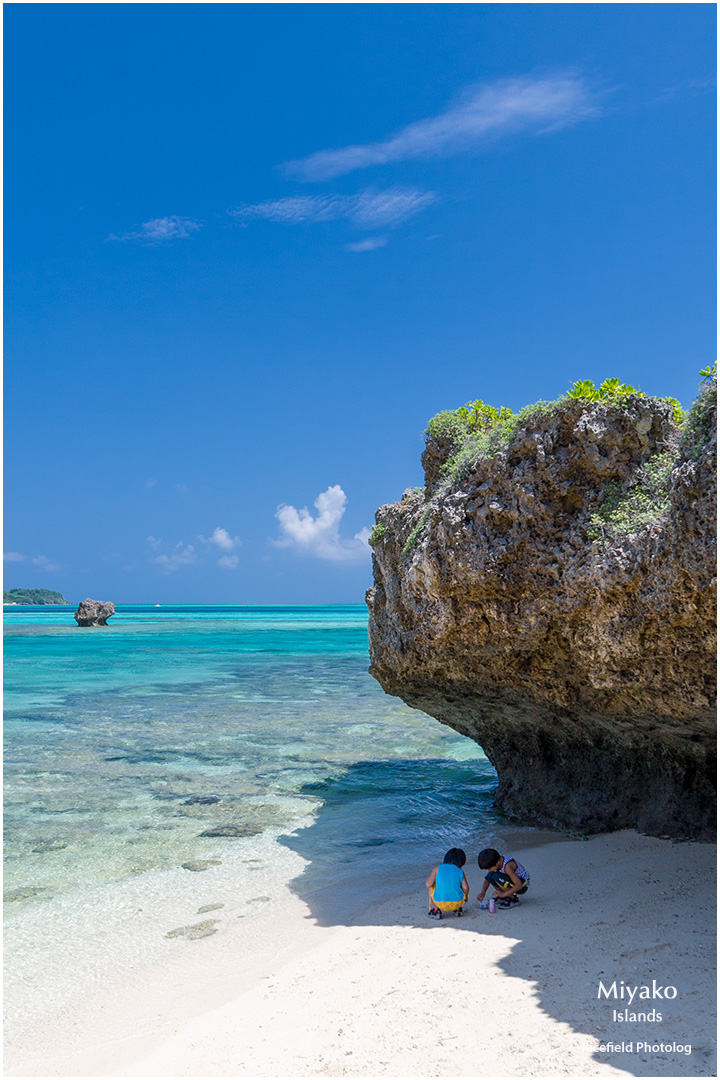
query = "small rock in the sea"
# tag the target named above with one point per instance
(49, 845)
(202, 800)
(208, 907)
(197, 930)
(94, 612)
(258, 900)
(232, 830)
(201, 864)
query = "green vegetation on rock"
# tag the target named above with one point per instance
(700, 423)
(33, 596)
(376, 534)
(557, 604)
(477, 430)
(646, 501)
(609, 390)
(414, 538)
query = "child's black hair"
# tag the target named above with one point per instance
(456, 856)
(487, 858)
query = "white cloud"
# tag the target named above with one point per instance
(43, 563)
(320, 536)
(179, 556)
(367, 210)
(389, 207)
(370, 244)
(158, 230)
(150, 483)
(483, 111)
(223, 539)
(296, 209)
(228, 562)
(171, 559)
(13, 556)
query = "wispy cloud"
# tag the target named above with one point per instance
(222, 539)
(389, 207)
(44, 563)
(296, 209)
(169, 562)
(228, 562)
(169, 559)
(370, 244)
(320, 536)
(160, 230)
(368, 209)
(41, 561)
(483, 111)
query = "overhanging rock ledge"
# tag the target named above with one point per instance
(584, 667)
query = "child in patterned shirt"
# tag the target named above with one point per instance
(509, 877)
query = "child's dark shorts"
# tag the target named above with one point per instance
(502, 881)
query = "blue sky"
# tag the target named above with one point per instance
(251, 249)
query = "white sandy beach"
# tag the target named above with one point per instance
(391, 993)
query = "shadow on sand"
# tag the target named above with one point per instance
(567, 935)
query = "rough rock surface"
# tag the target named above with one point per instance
(585, 669)
(94, 612)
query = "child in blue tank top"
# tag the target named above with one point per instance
(448, 885)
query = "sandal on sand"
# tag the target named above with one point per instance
(459, 912)
(510, 902)
(435, 913)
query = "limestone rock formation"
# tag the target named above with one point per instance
(581, 659)
(94, 612)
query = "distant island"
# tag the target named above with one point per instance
(33, 596)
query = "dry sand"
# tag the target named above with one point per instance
(392, 993)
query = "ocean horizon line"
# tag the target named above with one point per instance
(204, 603)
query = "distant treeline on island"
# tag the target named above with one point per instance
(33, 596)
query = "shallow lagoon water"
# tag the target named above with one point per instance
(126, 743)
(131, 749)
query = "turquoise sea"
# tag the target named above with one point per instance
(125, 744)
(250, 739)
